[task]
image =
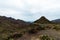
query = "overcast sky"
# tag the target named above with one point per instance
(30, 10)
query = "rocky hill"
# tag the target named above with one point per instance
(42, 20)
(10, 26)
(16, 29)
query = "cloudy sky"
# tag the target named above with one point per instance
(30, 10)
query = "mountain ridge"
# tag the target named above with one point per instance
(16, 29)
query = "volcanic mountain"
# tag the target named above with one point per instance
(42, 20)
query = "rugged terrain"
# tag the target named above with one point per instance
(41, 29)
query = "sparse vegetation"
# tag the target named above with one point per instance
(57, 27)
(45, 37)
(40, 28)
(11, 29)
(15, 36)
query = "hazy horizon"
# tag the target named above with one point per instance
(30, 10)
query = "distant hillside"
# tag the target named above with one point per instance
(11, 23)
(42, 20)
(56, 21)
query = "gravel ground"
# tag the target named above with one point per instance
(52, 33)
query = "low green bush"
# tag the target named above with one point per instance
(45, 37)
